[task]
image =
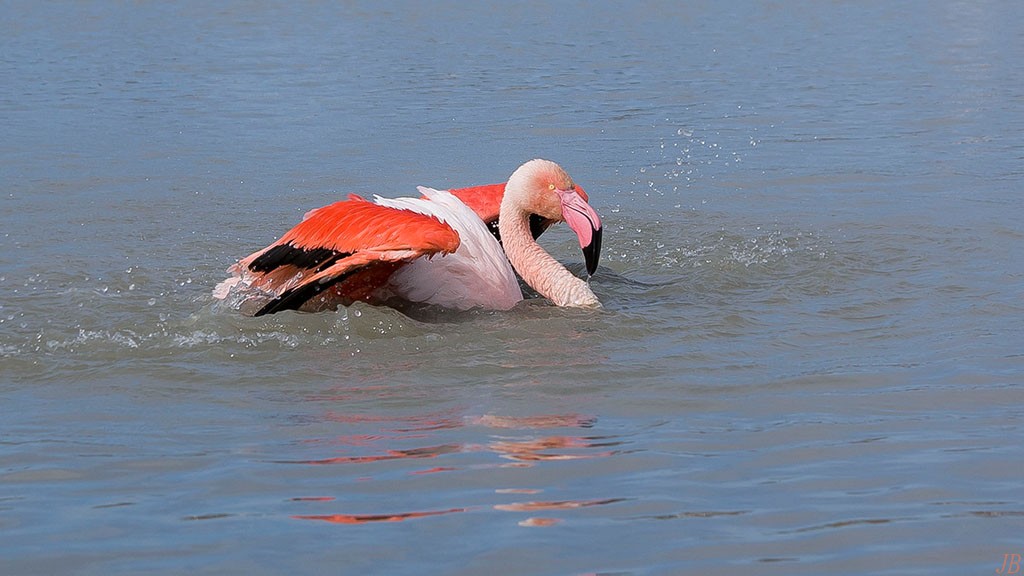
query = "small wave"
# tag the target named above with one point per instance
(204, 338)
(125, 339)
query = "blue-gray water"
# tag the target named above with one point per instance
(810, 359)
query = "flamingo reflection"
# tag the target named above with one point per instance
(522, 451)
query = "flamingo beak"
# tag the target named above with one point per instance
(585, 222)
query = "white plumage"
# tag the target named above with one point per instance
(477, 275)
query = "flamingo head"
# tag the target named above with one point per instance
(543, 188)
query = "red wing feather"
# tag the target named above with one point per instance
(353, 225)
(333, 243)
(484, 200)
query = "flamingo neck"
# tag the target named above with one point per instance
(537, 268)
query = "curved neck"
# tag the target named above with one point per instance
(537, 268)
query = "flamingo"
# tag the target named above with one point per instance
(441, 249)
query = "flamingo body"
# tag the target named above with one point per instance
(476, 275)
(440, 249)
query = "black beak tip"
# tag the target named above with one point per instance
(592, 252)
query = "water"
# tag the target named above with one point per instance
(809, 359)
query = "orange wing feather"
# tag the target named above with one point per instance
(352, 225)
(348, 243)
(484, 200)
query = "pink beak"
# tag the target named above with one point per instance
(585, 222)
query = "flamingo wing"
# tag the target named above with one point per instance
(484, 200)
(476, 275)
(350, 246)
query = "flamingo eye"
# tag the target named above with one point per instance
(551, 186)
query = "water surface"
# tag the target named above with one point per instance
(808, 360)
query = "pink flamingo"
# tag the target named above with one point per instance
(437, 249)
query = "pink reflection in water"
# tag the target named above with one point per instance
(559, 505)
(369, 518)
(535, 522)
(524, 452)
